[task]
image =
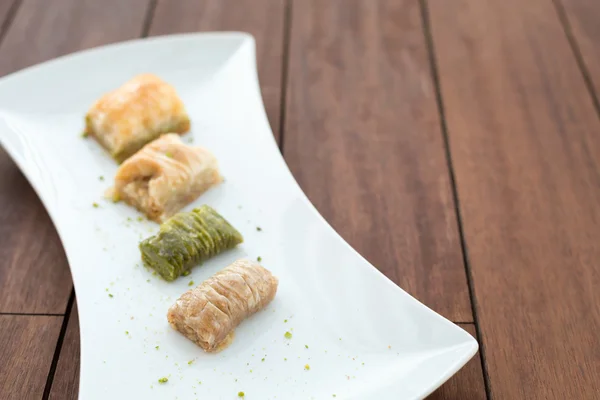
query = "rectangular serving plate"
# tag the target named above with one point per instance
(355, 334)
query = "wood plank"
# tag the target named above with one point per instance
(28, 344)
(5, 9)
(526, 153)
(583, 17)
(264, 19)
(363, 139)
(468, 383)
(65, 385)
(34, 275)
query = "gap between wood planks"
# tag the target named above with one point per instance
(440, 103)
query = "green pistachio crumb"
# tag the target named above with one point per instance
(168, 154)
(190, 362)
(140, 219)
(284, 359)
(259, 258)
(258, 228)
(307, 367)
(157, 347)
(148, 280)
(110, 295)
(334, 395)
(306, 346)
(263, 359)
(186, 272)
(241, 394)
(95, 205)
(164, 379)
(191, 283)
(288, 335)
(285, 320)
(129, 219)
(101, 177)
(127, 332)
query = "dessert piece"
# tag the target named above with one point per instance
(164, 176)
(209, 313)
(187, 239)
(127, 118)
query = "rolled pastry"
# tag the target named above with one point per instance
(186, 239)
(208, 314)
(165, 176)
(136, 113)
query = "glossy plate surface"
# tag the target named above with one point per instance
(361, 335)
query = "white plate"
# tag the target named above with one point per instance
(366, 338)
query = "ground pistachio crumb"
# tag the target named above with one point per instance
(334, 395)
(127, 332)
(259, 258)
(258, 228)
(157, 347)
(148, 280)
(101, 177)
(241, 394)
(307, 367)
(191, 283)
(284, 359)
(263, 359)
(306, 346)
(84, 134)
(140, 219)
(186, 272)
(164, 379)
(288, 335)
(110, 295)
(190, 362)
(95, 205)
(168, 154)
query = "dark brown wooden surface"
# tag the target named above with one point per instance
(391, 109)
(27, 346)
(65, 384)
(264, 19)
(525, 144)
(583, 17)
(363, 139)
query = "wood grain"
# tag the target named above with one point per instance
(34, 274)
(65, 385)
(28, 344)
(264, 19)
(5, 7)
(526, 154)
(584, 19)
(363, 139)
(468, 383)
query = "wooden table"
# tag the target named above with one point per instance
(454, 143)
